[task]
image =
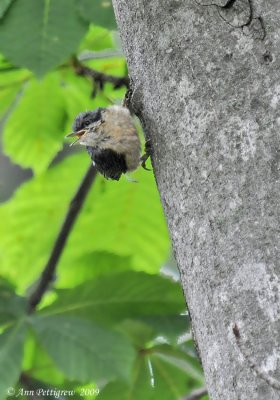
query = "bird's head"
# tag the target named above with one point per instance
(82, 123)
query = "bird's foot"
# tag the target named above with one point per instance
(146, 155)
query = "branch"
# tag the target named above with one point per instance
(196, 394)
(99, 78)
(75, 206)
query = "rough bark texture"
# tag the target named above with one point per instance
(207, 91)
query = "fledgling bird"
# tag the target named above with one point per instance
(111, 139)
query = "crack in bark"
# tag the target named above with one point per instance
(274, 383)
(239, 14)
(256, 29)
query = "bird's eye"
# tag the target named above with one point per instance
(87, 123)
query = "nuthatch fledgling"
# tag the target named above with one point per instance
(111, 139)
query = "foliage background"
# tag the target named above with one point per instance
(112, 325)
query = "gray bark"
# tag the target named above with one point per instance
(207, 91)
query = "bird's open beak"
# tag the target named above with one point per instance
(78, 134)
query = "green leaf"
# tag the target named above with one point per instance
(181, 360)
(93, 264)
(140, 386)
(134, 227)
(152, 378)
(96, 39)
(31, 220)
(168, 326)
(138, 332)
(11, 350)
(100, 12)
(52, 27)
(77, 91)
(34, 131)
(143, 330)
(4, 5)
(142, 380)
(170, 382)
(38, 363)
(11, 82)
(155, 378)
(7, 96)
(112, 66)
(40, 203)
(115, 390)
(115, 65)
(12, 306)
(13, 77)
(119, 296)
(83, 350)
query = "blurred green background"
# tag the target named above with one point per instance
(113, 324)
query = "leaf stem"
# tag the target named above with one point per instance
(196, 394)
(74, 208)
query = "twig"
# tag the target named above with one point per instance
(196, 394)
(75, 206)
(30, 385)
(99, 78)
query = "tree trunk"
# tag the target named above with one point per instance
(207, 91)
